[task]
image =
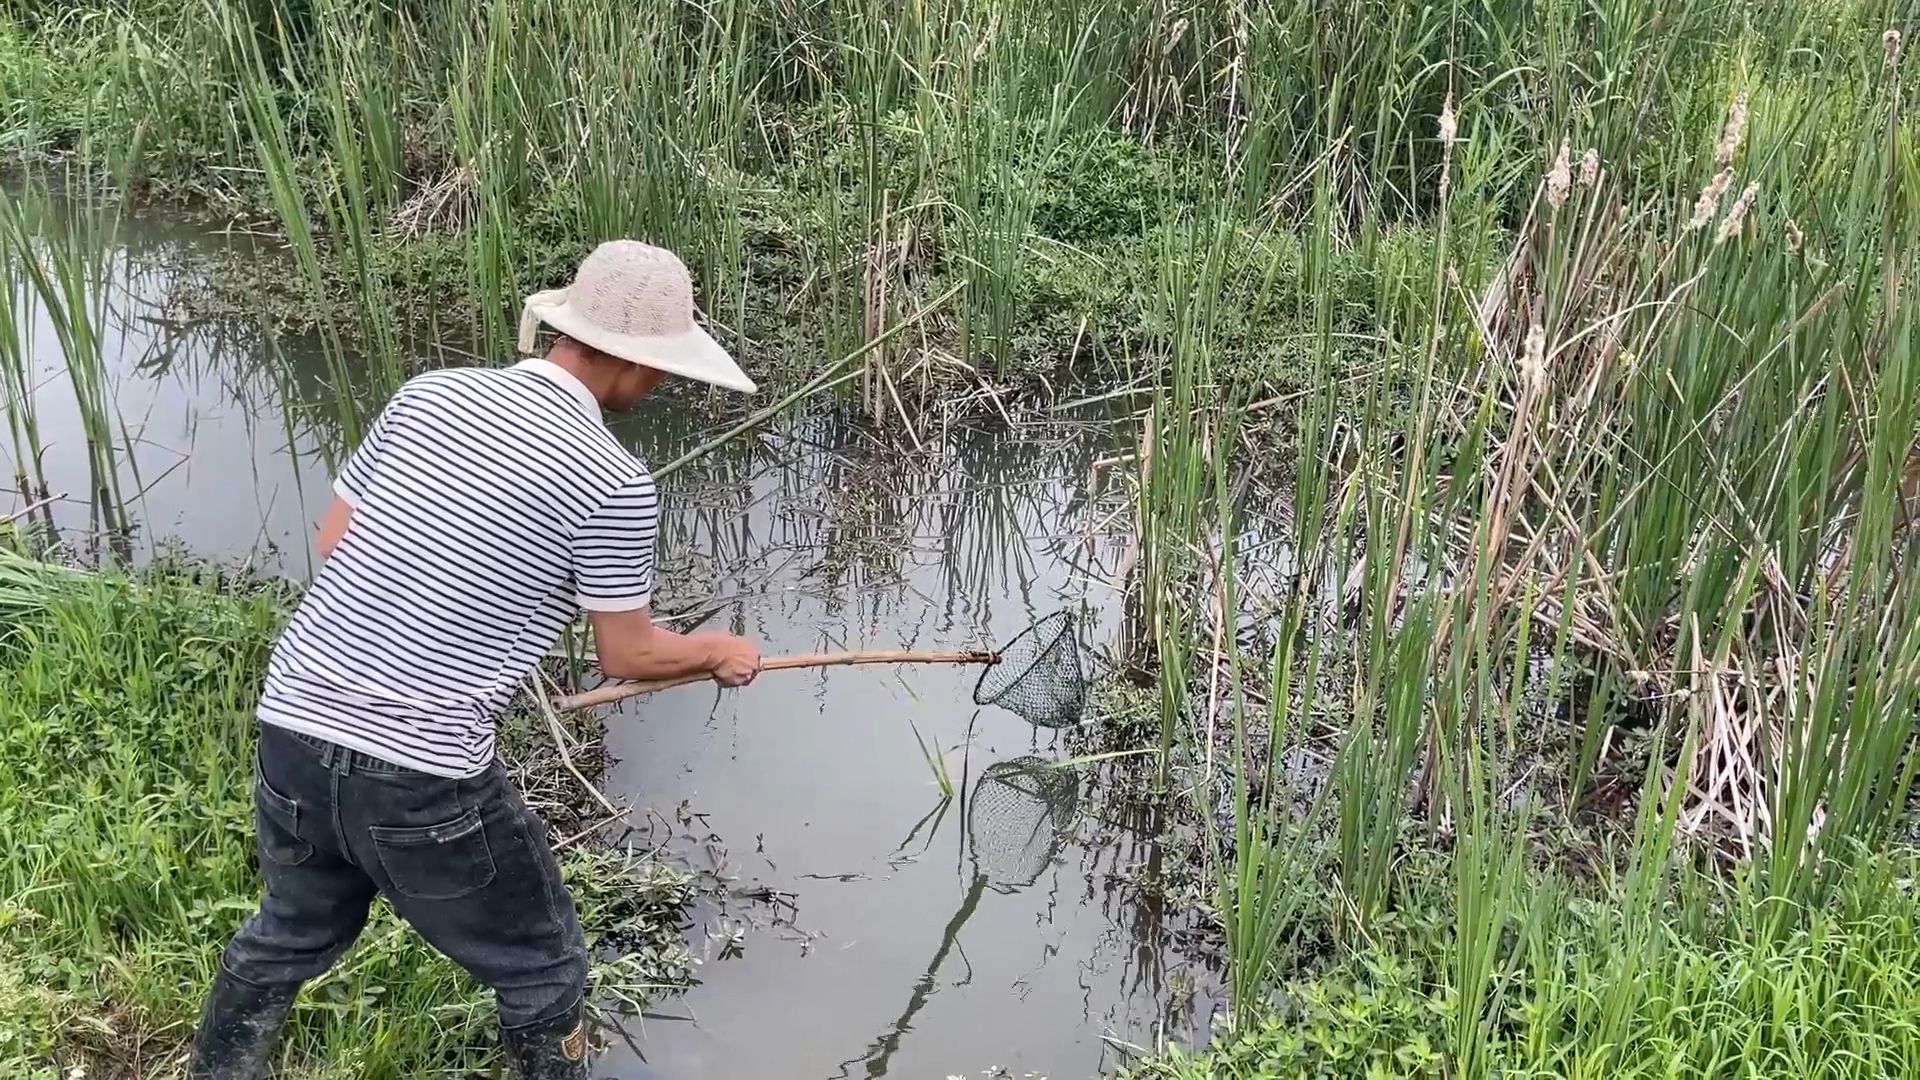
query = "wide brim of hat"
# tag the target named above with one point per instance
(692, 354)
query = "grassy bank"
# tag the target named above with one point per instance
(827, 168)
(125, 808)
(1717, 995)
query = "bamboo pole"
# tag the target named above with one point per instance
(612, 692)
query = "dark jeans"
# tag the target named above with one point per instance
(464, 861)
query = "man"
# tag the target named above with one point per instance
(484, 510)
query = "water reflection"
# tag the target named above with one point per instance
(823, 536)
(205, 448)
(1018, 817)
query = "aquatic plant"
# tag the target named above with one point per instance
(17, 382)
(1578, 334)
(65, 260)
(1629, 494)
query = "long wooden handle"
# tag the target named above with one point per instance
(603, 695)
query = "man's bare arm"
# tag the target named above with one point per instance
(333, 526)
(632, 646)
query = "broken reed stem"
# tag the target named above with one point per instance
(540, 686)
(17, 515)
(833, 374)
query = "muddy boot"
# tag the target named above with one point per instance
(239, 1029)
(554, 1050)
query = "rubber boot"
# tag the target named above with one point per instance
(239, 1028)
(553, 1050)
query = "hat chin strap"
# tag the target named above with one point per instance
(530, 322)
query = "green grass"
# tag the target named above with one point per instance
(125, 737)
(1840, 997)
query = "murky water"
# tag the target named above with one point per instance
(207, 463)
(818, 785)
(888, 951)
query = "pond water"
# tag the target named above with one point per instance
(896, 945)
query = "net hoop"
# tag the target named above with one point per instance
(1048, 651)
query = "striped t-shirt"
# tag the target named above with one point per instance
(489, 507)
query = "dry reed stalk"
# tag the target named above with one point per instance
(1736, 700)
(1491, 313)
(880, 269)
(37, 504)
(542, 691)
(449, 204)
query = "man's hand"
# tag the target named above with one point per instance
(734, 660)
(632, 647)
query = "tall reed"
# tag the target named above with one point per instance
(65, 256)
(1666, 435)
(18, 385)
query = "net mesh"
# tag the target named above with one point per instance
(1019, 817)
(1038, 676)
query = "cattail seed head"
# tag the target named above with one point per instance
(1710, 196)
(1174, 35)
(1734, 134)
(1449, 130)
(1560, 177)
(1738, 215)
(1533, 360)
(1590, 168)
(1796, 240)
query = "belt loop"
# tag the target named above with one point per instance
(334, 756)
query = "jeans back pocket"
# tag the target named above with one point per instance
(276, 819)
(436, 862)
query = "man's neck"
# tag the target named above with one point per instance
(569, 358)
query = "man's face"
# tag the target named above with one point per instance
(633, 383)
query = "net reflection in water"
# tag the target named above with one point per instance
(1018, 819)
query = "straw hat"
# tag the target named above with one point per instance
(634, 301)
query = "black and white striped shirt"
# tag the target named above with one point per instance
(489, 507)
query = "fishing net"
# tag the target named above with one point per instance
(1019, 817)
(1038, 676)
